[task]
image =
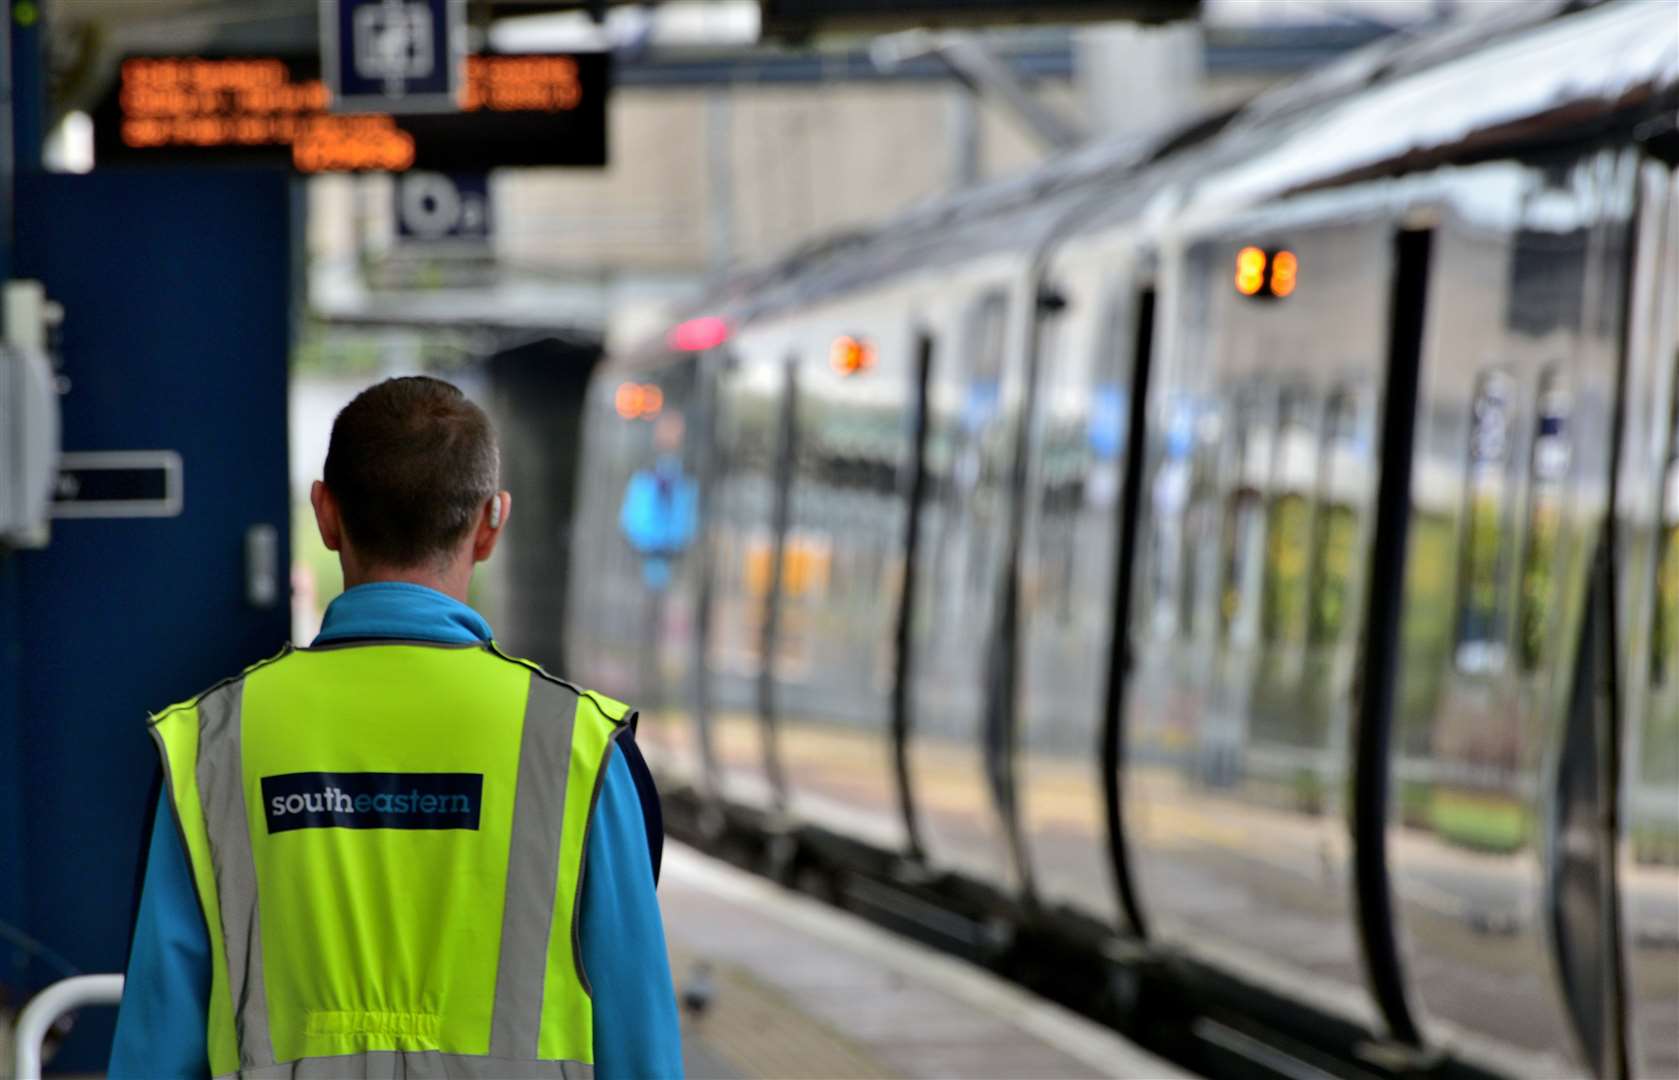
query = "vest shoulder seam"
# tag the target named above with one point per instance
(541, 672)
(154, 719)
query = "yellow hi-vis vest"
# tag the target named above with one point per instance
(387, 840)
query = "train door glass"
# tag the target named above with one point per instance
(1337, 528)
(1198, 561)
(1289, 523)
(1547, 487)
(1338, 560)
(955, 736)
(1067, 570)
(1482, 599)
(1242, 540)
(1176, 510)
(1664, 641)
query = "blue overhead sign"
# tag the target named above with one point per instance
(393, 56)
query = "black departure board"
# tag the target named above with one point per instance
(516, 109)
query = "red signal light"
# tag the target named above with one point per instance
(698, 335)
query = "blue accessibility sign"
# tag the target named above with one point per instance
(393, 56)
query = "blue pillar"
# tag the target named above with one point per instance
(13, 959)
(29, 83)
(12, 917)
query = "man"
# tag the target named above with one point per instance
(400, 852)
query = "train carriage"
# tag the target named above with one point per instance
(1261, 541)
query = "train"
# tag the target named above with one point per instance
(1257, 539)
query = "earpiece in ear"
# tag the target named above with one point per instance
(495, 512)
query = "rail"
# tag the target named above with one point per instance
(50, 1004)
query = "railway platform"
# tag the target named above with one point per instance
(774, 984)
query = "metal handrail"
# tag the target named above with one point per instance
(50, 1004)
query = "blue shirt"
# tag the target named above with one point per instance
(161, 1025)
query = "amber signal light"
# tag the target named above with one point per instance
(1265, 274)
(1250, 271)
(1285, 268)
(638, 401)
(851, 355)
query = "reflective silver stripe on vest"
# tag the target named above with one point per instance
(533, 868)
(418, 1065)
(221, 790)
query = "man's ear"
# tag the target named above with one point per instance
(326, 516)
(491, 523)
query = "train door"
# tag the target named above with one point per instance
(755, 396)
(842, 571)
(915, 486)
(1648, 867)
(637, 571)
(782, 584)
(1494, 842)
(960, 740)
(1078, 438)
(1256, 505)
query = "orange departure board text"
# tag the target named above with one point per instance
(515, 110)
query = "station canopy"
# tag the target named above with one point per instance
(801, 18)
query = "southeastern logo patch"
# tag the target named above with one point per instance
(369, 800)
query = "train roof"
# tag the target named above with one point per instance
(1407, 101)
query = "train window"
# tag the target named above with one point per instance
(1110, 401)
(1169, 543)
(1548, 469)
(1200, 521)
(1289, 523)
(1343, 468)
(1664, 641)
(985, 352)
(976, 467)
(1482, 599)
(1243, 534)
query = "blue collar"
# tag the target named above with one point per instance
(397, 609)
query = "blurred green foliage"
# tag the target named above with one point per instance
(1664, 637)
(1487, 822)
(1539, 565)
(1288, 556)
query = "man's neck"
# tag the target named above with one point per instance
(450, 583)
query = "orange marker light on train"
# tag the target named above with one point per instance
(638, 401)
(1285, 270)
(1250, 271)
(851, 355)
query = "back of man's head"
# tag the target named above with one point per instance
(411, 464)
